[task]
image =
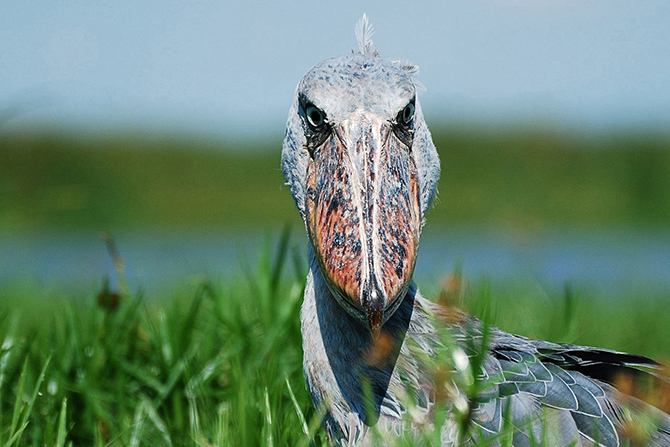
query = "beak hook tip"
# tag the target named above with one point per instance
(375, 316)
(375, 330)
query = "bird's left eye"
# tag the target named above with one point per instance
(407, 113)
(315, 117)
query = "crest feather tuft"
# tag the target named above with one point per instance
(364, 32)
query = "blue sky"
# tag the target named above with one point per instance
(232, 67)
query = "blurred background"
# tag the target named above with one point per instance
(162, 122)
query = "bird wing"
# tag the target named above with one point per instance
(554, 394)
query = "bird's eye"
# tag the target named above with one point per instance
(408, 113)
(315, 117)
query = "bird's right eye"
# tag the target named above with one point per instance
(315, 117)
(408, 113)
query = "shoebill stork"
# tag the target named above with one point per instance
(363, 170)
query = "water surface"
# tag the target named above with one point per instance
(158, 260)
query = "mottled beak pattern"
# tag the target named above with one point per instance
(363, 216)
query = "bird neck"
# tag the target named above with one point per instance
(347, 371)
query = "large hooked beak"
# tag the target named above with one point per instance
(363, 216)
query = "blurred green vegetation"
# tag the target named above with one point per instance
(536, 177)
(523, 178)
(62, 181)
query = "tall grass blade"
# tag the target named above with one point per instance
(18, 403)
(157, 421)
(138, 425)
(27, 410)
(280, 259)
(187, 326)
(193, 417)
(62, 420)
(269, 440)
(298, 266)
(15, 437)
(301, 416)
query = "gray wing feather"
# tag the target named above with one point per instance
(597, 429)
(540, 371)
(559, 395)
(516, 372)
(508, 389)
(537, 389)
(489, 416)
(583, 381)
(522, 439)
(586, 402)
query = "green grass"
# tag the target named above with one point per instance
(521, 179)
(221, 364)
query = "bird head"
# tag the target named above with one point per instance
(363, 171)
